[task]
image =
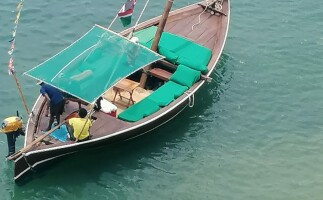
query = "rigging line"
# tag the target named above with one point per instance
(11, 68)
(142, 12)
(113, 21)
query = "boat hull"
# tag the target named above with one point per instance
(32, 159)
(35, 157)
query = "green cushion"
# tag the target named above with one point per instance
(148, 44)
(169, 55)
(189, 53)
(146, 36)
(167, 93)
(139, 110)
(193, 64)
(185, 76)
(176, 49)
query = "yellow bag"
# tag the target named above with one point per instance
(11, 124)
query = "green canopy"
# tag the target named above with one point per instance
(93, 64)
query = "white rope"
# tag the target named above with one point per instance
(142, 12)
(200, 16)
(113, 21)
(217, 6)
(191, 98)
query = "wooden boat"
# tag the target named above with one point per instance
(183, 27)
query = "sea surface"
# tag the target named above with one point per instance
(255, 132)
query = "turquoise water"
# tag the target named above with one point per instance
(254, 133)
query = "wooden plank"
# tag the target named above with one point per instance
(209, 32)
(184, 13)
(210, 43)
(173, 16)
(170, 25)
(160, 73)
(168, 64)
(182, 27)
(106, 124)
(200, 28)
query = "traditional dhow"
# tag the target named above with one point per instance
(106, 68)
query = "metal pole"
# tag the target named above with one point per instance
(159, 31)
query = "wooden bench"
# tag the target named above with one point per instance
(160, 73)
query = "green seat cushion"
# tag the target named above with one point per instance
(139, 110)
(194, 63)
(146, 35)
(169, 55)
(185, 76)
(176, 49)
(167, 93)
(189, 53)
(148, 44)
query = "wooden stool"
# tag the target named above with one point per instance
(126, 85)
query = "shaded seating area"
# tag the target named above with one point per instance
(192, 60)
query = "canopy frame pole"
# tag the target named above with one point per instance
(142, 12)
(20, 93)
(157, 37)
(113, 21)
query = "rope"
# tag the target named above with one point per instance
(142, 12)
(113, 21)
(217, 6)
(11, 68)
(200, 16)
(191, 99)
(31, 167)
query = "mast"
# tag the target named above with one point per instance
(159, 31)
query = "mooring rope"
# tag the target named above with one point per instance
(217, 6)
(29, 165)
(191, 99)
(200, 16)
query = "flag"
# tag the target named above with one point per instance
(11, 68)
(126, 11)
